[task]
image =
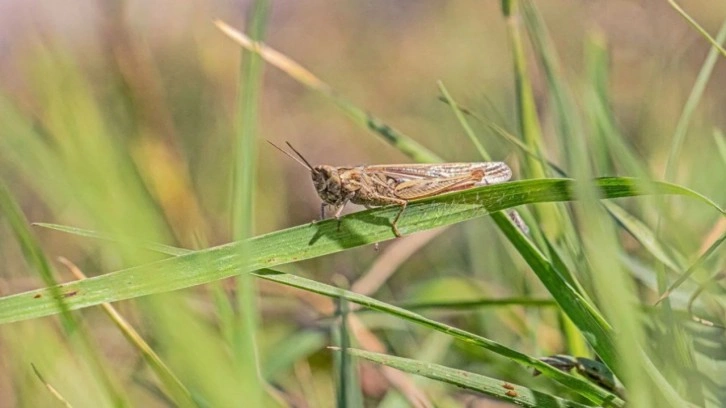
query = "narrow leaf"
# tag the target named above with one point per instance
(499, 389)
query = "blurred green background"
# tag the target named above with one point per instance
(119, 116)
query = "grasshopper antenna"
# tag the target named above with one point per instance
(301, 156)
(303, 162)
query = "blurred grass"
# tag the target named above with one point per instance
(126, 127)
(245, 320)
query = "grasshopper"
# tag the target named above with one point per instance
(395, 184)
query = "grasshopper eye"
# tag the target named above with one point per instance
(320, 175)
(325, 171)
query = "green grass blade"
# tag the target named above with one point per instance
(551, 220)
(526, 107)
(506, 135)
(516, 394)
(464, 123)
(312, 240)
(566, 115)
(603, 121)
(720, 140)
(226, 258)
(586, 317)
(348, 390)
(478, 303)
(245, 321)
(679, 135)
(32, 251)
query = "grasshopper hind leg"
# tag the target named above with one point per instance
(394, 224)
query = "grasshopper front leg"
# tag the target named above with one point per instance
(338, 211)
(322, 210)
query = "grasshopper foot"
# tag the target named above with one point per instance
(396, 232)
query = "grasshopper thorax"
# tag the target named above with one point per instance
(327, 183)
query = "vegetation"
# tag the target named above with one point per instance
(132, 169)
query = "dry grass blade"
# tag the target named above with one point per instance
(391, 258)
(296, 71)
(57, 395)
(275, 58)
(697, 26)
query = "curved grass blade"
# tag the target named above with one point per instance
(308, 79)
(463, 122)
(517, 394)
(314, 240)
(504, 134)
(584, 388)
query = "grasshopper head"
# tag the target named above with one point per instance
(327, 183)
(326, 178)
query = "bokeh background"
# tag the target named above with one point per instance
(118, 116)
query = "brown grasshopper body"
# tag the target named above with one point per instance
(379, 185)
